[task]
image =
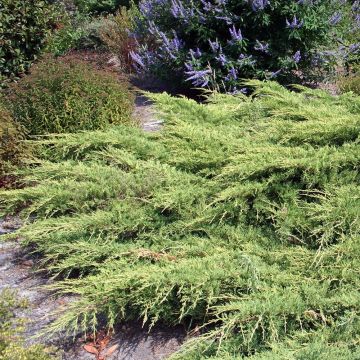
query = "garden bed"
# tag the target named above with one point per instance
(240, 215)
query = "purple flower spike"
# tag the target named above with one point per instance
(257, 5)
(294, 24)
(297, 57)
(198, 77)
(236, 35)
(335, 18)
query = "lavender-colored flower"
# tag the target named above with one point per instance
(195, 53)
(215, 46)
(335, 18)
(207, 6)
(199, 77)
(294, 24)
(224, 18)
(222, 59)
(354, 48)
(355, 6)
(275, 74)
(149, 7)
(137, 59)
(257, 5)
(170, 46)
(236, 35)
(263, 47)
(177, 9)
(189, 66)
(297, 57)
(357, 21)
(232, 75)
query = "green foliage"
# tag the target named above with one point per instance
(115, 35)
(350, 83)
(61, 96)
(78, 32)
(11, 144)
(24, 29)
(68, 35)
(216, 44)
(100, 6)
(241, 215)
(11, 344)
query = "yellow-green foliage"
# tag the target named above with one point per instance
(242, 215)
(11, 136)
(67, 96)
(350, 83)
(11, 343)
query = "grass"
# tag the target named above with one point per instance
(241, 217)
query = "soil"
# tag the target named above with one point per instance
(17, 265)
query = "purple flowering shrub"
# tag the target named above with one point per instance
(217, 43)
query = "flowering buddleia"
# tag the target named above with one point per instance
(217, 43)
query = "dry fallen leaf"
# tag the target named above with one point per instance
(91, 349)
(104, 342)
(111, 350)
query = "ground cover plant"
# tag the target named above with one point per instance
(218, 43)
(11, 342)
(241, 217)
(67, 96)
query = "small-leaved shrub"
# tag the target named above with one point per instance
(216, 44)
(24, 29)
(116, 34)
(350, 83)
(11, 141)
(67, 96)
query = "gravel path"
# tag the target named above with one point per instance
(16, 272)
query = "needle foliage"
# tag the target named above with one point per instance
(240, 216)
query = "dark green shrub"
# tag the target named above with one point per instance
(68, 35)
(216, 44)
(24, 28)
(11, 136)
(79, 32)
(61, 96)
(100, 6)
